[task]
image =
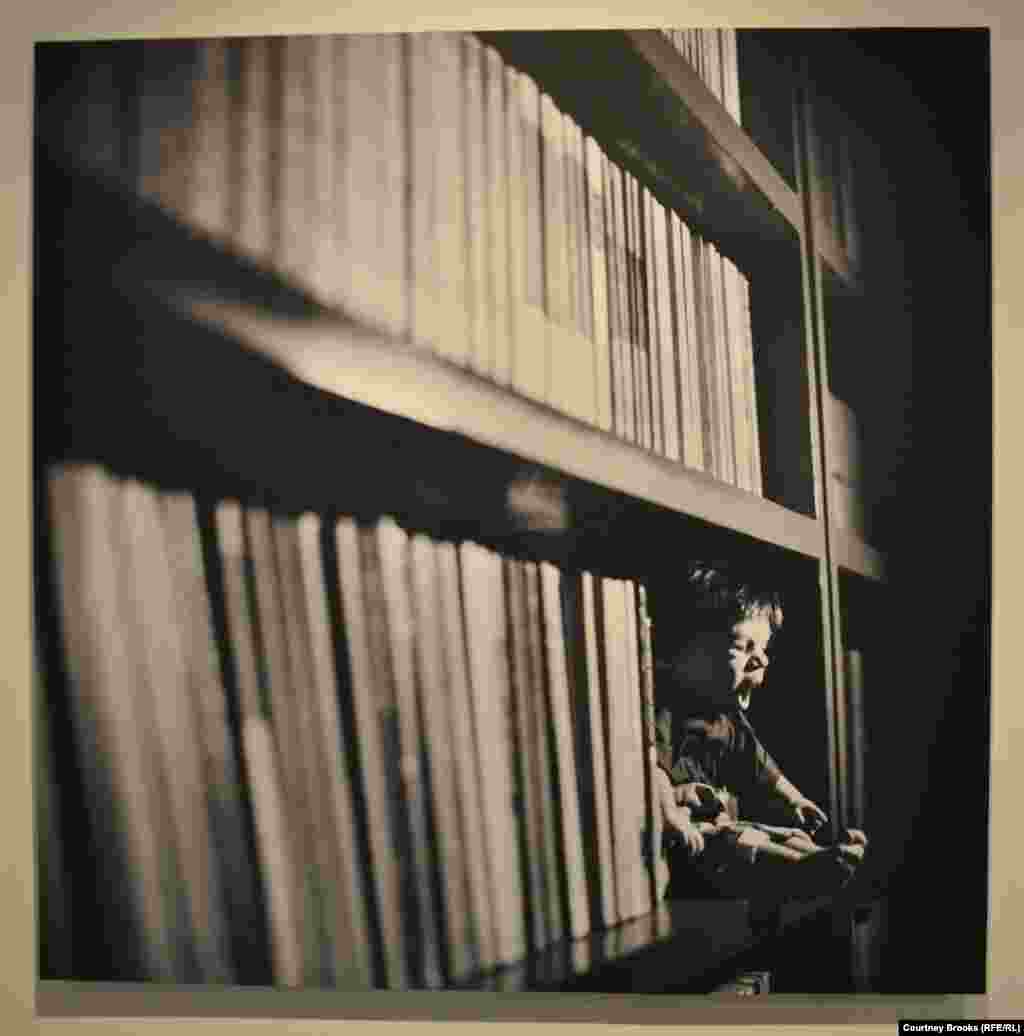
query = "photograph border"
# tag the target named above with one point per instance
(221, 1009)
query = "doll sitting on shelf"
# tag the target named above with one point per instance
(710, 761)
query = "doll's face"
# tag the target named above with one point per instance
(727, 667)
(748, 657)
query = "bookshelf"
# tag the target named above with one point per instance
(229, 368)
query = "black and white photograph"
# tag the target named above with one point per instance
(512, 511)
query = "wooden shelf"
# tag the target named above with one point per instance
(338, 358)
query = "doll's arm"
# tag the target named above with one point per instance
(808, 815)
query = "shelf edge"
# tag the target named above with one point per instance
(353, 363)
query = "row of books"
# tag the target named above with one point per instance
(713, 54)
(438, 195)
(407, 762)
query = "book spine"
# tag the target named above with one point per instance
(318, 759)
(295, 228)
(666, 342)
(609, 171)
(353, 967)
(376, 739)
(734, 343)
(372, 223)
(558, 374)
(599, 292)
(538, 688)
(485, 616)
(287, 726)
(688, 323)
(755, 424)
(640, 833)
(498, 208)
(531, 349)
(396, 633)
(434, 698)
(233, 883)
(447, 146)
(597, 709)
(477, 215)
(565, 753)
(577, 367)
(259, 751)
(654, 823)
(468, 752)
(324, 168)
(170, 722)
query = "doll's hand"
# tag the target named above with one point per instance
(676, 818)
(809, 816)
(690, 794)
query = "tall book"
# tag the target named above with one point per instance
(627, 795)
(111, 731)
(530, 354)
(449, 146)
(651, 259)
(642, 799)
(499, 268)
(469, 755)
(324, 167)
(477, 210)
(539, 690)
(707, 360)
(684, 309)
(485, 622)
(439, 268)
(236, 879)
(375, 732)
(755, 426)
(295, 152)
(623, 353)
(654, 823)
(167, 713)
(443, 763)
(599, 294)
(287, 723)
(735, 342)
(343, 941)
(561, 713)
(372, 171)
(274, 839)
(594, 680)
(332, 751)
(322, 870)
(541, 884)
(572, 366)
(387, 564)
(554, 224)
(666, 339)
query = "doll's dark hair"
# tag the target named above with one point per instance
(710, 596)
(715, 598)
